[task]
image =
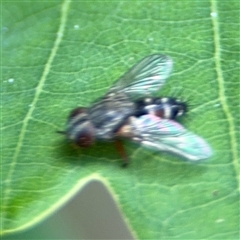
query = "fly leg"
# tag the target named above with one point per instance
(122, 152)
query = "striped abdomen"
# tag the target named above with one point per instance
(163, 107)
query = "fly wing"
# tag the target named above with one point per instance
(146, 77)
(167, 135)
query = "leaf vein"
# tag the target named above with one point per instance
(59, 36)
(222, 97)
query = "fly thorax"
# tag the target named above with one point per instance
(109, 114)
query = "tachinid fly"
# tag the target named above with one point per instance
(127, 111)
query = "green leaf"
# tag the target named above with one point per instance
(59, 55)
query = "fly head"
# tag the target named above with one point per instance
(80, 130)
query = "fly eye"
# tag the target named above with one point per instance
(85, 140)
(76, 112)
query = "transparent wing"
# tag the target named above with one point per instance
(146, 77)
(167, 135)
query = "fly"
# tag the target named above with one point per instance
(128, 111)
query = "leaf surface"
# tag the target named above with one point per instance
(59, 55)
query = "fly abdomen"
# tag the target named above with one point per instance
(163, 107)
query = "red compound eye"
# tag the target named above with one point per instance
(85, 140)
